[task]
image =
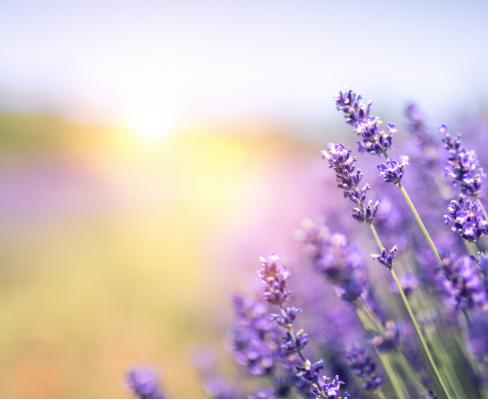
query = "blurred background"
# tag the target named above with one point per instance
(150, 151)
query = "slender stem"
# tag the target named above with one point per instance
(420, 334)
(380, 393)
(408, 370)
(482, 208)
(376, 237)
(419, 222)
(390, 371)
(397, 388)
(412, 315)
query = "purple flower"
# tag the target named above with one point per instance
(353, 108)
(374, 140)
(461, 283)
(310, 372)
(340, 262)
(466, 219)
(392, 171)
(294, 343)
(273, 276)
(219, 389)
(363, 367)
(408, 282)
(327, 388)
(348, 179)
(265, 394)
(144, 382)
(389, 338)
(255, 342)
(289, 314)
(427, 149)
(386, 257)
(463, 167)
(478, 339)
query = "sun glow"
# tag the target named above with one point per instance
(152, 125)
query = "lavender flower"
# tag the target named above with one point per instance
(273, 276)
(408, 282)
(219, 389)
(254, 341)
(392, 171)
(427, 151)
(144, 383)
(374, 140)
(328, 388)
(466, 219)
(461, 283)
(340, 262)
(389, 338)
(386, 257)
(354, 109)
(478, 339)
(363, 367)
(348, 179)
(463, 167)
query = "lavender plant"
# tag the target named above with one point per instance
(409, 321)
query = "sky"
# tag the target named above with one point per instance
(174, 60)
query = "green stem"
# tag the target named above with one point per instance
(365, 321)
(482, 208)
(390, 371)
(420, 334)
(411, 314)
(420, 222)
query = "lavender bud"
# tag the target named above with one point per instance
(386, 257)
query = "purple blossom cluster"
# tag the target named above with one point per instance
(463, 167)
(363, 367)
(374, 139)
(465, 217)
(348, 179)
(254, 341)
(462, 284)
(338, 261)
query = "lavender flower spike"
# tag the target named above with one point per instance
(144, 383)
(466, 219)
(273, 275)
(463, 167)
(374, 140)
(348, 179)
(363, 367)
(355, 111)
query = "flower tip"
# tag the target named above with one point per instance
(443, 129)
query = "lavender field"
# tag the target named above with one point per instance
(243, 199)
